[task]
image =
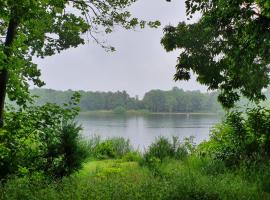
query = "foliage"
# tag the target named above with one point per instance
(133, 156)
(114, 180)
(119, 110)
(256, 172)
(175, 100)
(105, 150)
(115, 147)
(41, 138)
(71, 150)
(162, 149)
(178, 100)
(228, 48)
(43, 28)
(242, 136)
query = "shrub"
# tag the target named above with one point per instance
(41, 138)
(162, 148)
(214, 167)
(183, 149)
(105, 150)
(133, 156)
(119, 110)
(121, 146)
(71, 151)
(242, 136)
(110, 148)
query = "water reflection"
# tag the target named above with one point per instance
(142, 130)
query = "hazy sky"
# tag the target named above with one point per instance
(139, 64)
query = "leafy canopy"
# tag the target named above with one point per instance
(46, 27)
(228, 48)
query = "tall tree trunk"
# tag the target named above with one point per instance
(3, 86)
(11, 34)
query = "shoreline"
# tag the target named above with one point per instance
(143, 112)
(183, 113)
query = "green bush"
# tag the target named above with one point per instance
(115, 147)
(163, 148)
(41, 139)
(214, 167)
(105, 150)
(121, 146)
(132, 156)
(243, 136)
(119, 110)
(256, 172)
(71, 151)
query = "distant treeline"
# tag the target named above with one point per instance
(175, 100)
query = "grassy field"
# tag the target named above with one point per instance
(191, 179)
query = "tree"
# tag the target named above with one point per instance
(228, 48)
(39, 28)
(154, 101)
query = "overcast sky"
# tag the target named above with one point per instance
(139, 64)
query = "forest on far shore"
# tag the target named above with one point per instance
(174, 100)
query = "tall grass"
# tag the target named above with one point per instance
(115, 147)
(184, 180)
(171, 176)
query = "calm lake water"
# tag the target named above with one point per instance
(142, 130)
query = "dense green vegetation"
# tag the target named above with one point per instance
(41, 153)
(168, 169)
(175, 100)
(42, 139)
(119, 180)
(227, 48)
(44, 158)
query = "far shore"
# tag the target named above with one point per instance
(143, 112)
(183, 113)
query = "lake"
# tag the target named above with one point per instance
(142, 130)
